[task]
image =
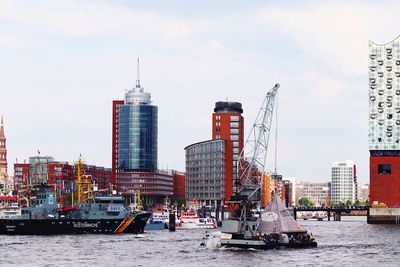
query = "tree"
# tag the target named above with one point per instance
(305, 201)
(357, 203)
(349, 203)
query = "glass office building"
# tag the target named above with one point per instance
(137, 132)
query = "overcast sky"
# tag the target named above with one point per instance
(63, 62)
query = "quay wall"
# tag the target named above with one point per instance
(384, 216)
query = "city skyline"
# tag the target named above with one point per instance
(63, 63)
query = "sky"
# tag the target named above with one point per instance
(63, 62)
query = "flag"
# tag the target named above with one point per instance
(38, 152)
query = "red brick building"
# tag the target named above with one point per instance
(21, 174)
(385, 180)
(228, 124)
(61, 175)
(179, 185)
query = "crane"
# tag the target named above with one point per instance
(252, 158)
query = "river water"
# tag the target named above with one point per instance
(351, 242)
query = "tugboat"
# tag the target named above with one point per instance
(95, 215)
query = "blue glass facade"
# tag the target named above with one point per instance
(137, 137)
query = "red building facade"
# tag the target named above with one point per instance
(385, 180)
(179, 185)
(62, 175)
(114, 152)
(228, 124)
(21, 174)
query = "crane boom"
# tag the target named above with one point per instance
(251, 164)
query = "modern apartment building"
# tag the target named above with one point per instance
(344, 182)
(211, 165)
(205, 171)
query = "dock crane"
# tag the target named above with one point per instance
(242, 224)
(251, 160)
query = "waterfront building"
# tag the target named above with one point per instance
(179, 186)
(363, 194)
(344, 182)
(292, 195)
(134, 148)
(318, 193)
(205, 172)
(384, 122)
(228, 124)
(59, 175)
(38, 172)
(3, 155)
(211, 165)
(21, 175)
(276, 184)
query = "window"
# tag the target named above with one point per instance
(234, 125)
(234, 131)
(234, 137)
(234, 118)
(236, 144)
(384, 169)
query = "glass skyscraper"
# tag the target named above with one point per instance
(137, 132)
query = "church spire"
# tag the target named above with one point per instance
(2, 127)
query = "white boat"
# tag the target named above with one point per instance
(273, 228)
(190, 220)
(9, 207)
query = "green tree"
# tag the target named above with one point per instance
(305, 201)
(357, 203)
(349, 203)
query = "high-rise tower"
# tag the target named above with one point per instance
(134, 146)
(384, 122)
(135, 126)
(3, 154)
(228, 124)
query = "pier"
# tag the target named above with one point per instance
(335, 212)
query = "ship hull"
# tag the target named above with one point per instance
(133, 225)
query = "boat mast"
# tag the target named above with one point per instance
(79, 181)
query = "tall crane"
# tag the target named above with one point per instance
(251, 161)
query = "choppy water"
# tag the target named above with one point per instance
(351, 242)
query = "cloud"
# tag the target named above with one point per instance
(336, 33)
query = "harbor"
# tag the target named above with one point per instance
(349, 242)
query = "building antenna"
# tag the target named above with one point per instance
(138, 77)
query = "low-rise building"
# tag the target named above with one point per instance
(318, 193)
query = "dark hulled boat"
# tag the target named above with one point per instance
(101, 215)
